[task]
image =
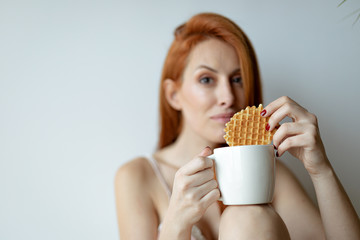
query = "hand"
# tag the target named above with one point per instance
(195, 189)
(301, 137)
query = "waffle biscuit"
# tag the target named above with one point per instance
(247, 127)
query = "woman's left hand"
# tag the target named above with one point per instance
(301, 137)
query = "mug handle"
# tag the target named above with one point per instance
(212, 156)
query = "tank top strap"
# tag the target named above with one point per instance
(196, 233)
(158, 173)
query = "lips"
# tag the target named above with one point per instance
(223, 117)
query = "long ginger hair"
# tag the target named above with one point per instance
(199, 28)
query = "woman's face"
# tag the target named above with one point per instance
(212, 89)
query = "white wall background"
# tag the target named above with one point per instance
(78, 97)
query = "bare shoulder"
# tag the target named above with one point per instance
(137, 218)
(137, 172)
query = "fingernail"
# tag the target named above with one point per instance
(277, 154)
(263, 112)
(267, 127)
(207, 147)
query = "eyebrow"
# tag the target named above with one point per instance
(213, 70)
(207, 67)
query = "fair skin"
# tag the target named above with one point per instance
(211, 90)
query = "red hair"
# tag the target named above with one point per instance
(199, 28)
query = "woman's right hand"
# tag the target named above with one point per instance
(194, 190)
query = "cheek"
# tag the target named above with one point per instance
(196, 99)
(240, 98)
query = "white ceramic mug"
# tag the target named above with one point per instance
(246, 174)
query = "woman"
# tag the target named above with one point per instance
(209, 74)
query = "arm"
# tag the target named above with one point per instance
(136, 214)
(302, 139)
(339, 216)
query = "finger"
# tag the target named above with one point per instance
(196, 165)
(210, 198)
(203, 189)
(275, 105)
(286, 130)
(206, 152)
(295, 112)
(202, 177)
(291, 142)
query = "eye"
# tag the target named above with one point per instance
(237, 79)
(206, 80)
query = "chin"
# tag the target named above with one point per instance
(220, 144)
(215, 136)
(220, 139)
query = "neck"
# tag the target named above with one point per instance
(187, 146)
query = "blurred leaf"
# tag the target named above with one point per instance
(341, 3)
(357, 19)
(353, 13)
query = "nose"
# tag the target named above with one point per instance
(226, 96)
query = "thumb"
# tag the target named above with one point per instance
(206, 152)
